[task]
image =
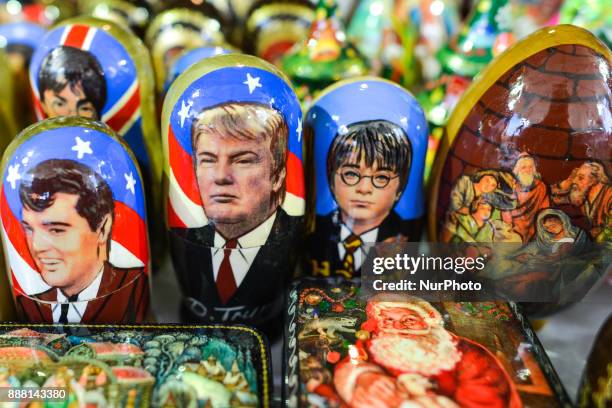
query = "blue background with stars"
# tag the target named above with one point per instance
(230, 84)
(108, 158)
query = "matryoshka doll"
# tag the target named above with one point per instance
(367, 139)
(190, 57)
(99, 70)
(8, 128)
(526, 161)
(43, 12)
(74, 226)
(324, 57)
(273, 27)
(20, 41)
(235, 187)
(134, 15)
(486, 33)
(176, 30)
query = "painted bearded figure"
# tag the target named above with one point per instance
(411, 360)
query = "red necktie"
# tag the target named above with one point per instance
(226, 284)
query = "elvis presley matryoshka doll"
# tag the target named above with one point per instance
(526, 162)
(367, 139)
(235, 187)
(74, 225)
(96, 69)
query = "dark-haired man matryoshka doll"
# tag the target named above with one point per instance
(235, 187)
(367, 141)
(74, 225)
(98, 70)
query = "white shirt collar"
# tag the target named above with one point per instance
(255, 238)
(367, 237)
(77, 308)
(89, 293)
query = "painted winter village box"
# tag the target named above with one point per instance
(138, 366)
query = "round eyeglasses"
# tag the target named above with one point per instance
(352, 177)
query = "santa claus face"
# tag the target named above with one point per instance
(398, 319)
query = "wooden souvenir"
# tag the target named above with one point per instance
(74, 226)
(176, 30)
(367, 139)
(139, 366)
(21, 39)
(97, 69)
(8, 128)
(526, 160)
(42, 12)
(486, 33)
(273, 27)
(190, 57)
(343, 349)
(134, 15)
(235, 187)
(324, 57)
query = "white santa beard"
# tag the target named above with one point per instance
(423, 354)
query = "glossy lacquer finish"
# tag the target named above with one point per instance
(235, 187)
(74, 225)
(526, 158)
(367, 139)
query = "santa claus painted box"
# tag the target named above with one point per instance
(344, 349)
(134, 366)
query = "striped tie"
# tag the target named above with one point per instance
(351, 244)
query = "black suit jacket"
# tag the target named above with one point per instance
(323, 258)
(261, 291)
(128, 301)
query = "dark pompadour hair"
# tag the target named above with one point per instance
(38, 188)
(377, 141)
(73, 66)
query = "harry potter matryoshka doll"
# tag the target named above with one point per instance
(20, 41)
(74, 228)
(176, 30)
(526, 161)
(99, 70)
(273, 27)
(235, 187)
(367, 151)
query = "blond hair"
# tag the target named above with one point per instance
(247, 121)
